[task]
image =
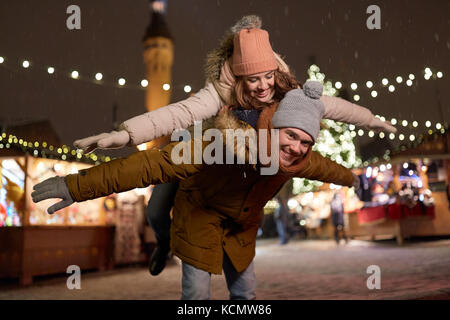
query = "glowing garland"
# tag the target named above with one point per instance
(324, 148)
(44, 150)
(315, 74)
(403, 147)
(97, 78)
(120, 82)
(384, 83)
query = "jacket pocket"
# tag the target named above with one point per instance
(247, 237)
(202, 228)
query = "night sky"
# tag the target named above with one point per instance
(331, 33)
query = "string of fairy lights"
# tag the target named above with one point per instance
(45, 150)
(410, 140)
(384, 83)
(121, 82)
(386, 157)
(401, 124)
(314, 73)
(439, 128)
(97, 78)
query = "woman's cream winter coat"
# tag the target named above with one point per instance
(207, 102)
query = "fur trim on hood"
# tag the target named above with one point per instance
(227, 120)
(243, 132)
(240, 130)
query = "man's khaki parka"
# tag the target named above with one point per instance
(217, 207)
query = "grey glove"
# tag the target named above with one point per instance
(112, 140)
(52, 188)
(356, 182)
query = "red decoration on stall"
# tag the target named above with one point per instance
(400, 211)
(415, 211)
(430, 212)
(395, 211)
(373, 215)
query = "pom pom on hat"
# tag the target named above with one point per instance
(247, 22)
(313, 89)
(301, 109)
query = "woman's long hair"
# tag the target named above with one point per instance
(283, 83)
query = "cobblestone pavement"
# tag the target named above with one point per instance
(312, 269)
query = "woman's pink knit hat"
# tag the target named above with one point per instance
(252, 53)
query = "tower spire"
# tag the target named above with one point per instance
(158, 25)
(158, 58)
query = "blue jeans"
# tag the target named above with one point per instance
(282, 232)
(196, 283)
(158, 211)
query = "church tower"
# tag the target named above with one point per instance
(158, 57)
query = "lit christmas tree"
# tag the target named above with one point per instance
(335, 140)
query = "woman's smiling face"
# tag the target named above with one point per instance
(261, 85)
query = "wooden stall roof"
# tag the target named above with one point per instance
(436, 146)
(35, 131)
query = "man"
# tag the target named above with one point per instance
(281, 217)
(337, 217)
(217, 207)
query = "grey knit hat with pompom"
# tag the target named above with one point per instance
(301, 109)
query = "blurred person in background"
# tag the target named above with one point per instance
(337, 217)
(281, 215)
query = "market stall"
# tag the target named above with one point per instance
(402, 200)
(314, 212)
(95, 234)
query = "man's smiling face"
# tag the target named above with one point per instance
(294, 143)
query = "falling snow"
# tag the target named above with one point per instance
(436, 37)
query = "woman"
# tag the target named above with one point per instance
(243, 71)
(259, 82)
(221, 89)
